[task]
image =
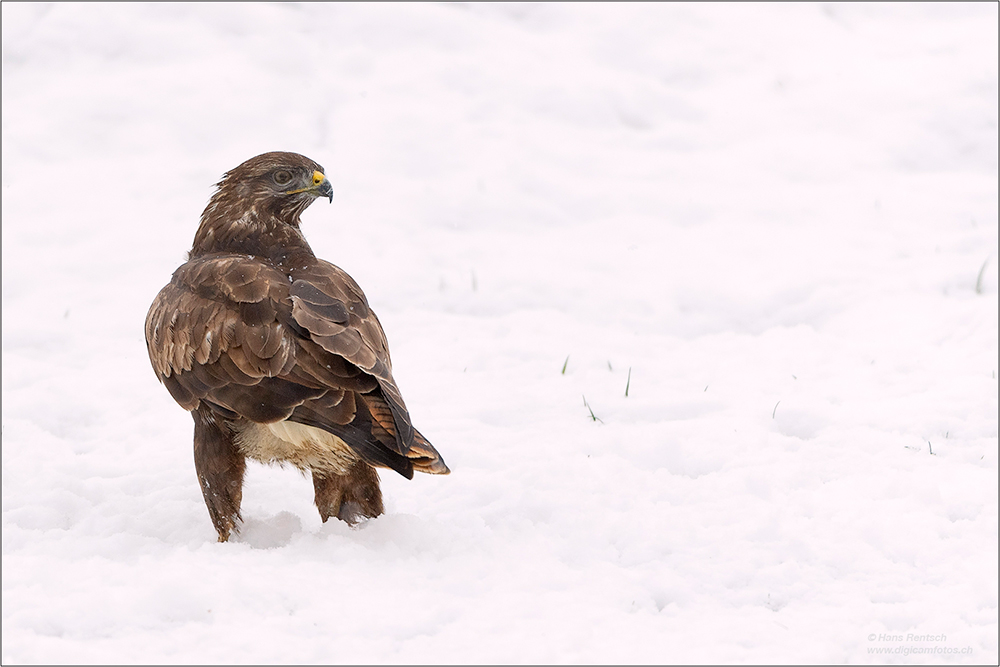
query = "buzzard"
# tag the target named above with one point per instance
(277, 354)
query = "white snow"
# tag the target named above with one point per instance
(768, 221)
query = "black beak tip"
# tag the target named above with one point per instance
(326, 190)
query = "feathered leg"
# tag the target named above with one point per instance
(349, 497)
(220, 467)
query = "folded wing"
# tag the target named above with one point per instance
(249, 341)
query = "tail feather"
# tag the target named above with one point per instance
(424, 457)
(372, 434)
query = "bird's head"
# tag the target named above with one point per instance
(257, 205)
(279, 184)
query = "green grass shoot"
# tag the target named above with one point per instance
(593, 417)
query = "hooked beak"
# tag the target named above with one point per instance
(325, 189)
(321, 187)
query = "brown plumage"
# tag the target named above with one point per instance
(277, 354)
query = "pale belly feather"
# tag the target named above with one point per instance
(305, 447)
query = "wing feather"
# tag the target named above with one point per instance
(240, 335)
(363, 343)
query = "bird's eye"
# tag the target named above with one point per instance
(282, 177)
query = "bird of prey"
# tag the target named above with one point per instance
(277, 354)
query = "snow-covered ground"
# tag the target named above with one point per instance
(775, 225)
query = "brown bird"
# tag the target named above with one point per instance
(277, 354)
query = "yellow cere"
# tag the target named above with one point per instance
(318, 178)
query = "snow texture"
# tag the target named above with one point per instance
(775, 225)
